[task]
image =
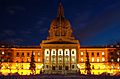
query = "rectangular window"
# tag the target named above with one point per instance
(39, 54)
(92, 59)
(82, 60)
(60, 59)
(22, 54)
(98, 60)
(60, 67)
(33, 53)
(28, 54)
(66, 52)
(47, 58)
(38, 59)
(53, 52)
(72, 52)
(73, 59)
(103, 54)
(81, 53)
(53, 67)
(97, 54)
(92, 54)
(59, 52)
(53, 59)
(72, 66)
(17, 55)
(66, 67)
(46, 66)
(47, 52)
(3, 52)
(103, 59)
(118, 53)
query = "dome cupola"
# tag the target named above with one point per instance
(60, 27)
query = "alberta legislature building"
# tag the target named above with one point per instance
(60, 53)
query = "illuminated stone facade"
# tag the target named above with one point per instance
(60, 53)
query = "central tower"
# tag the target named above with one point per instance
(60, 27)
(60, 49)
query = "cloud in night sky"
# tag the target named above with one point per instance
(12, 10)
(8, 32)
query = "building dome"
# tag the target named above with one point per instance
(60, 21)
(60, 27)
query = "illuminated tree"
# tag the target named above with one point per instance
(32, 64)
(0, 65)
(87, 64)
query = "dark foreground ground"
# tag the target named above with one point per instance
(59, 77)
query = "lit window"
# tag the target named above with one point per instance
(103, 53)
(3, 52)
(112, 60)
(118, 53)
(98, 66)
(82, 59)
(73, 59)
(53, 59)
(98, 60)
(112, 66)
(38, 59)
(103, 59)
(103, 66)
(118, 59)
(2, 60)
(117, 46)
(60, 59)
(38, 66)
(27, 67)
(81, 53)
(33, 53)
(38, 53)
(92, 59)
(28, 60)
(47, 58)
(118, 67)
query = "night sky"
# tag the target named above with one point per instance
(26, 22)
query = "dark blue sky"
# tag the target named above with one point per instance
(94, 22)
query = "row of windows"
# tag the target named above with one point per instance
(92, 54)
(93, 60)
(28, 54)
(118, 60)
(28, 60)
(103, 67)
(60, 59)
(60, 52)
(60, 67)
(6, 53)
